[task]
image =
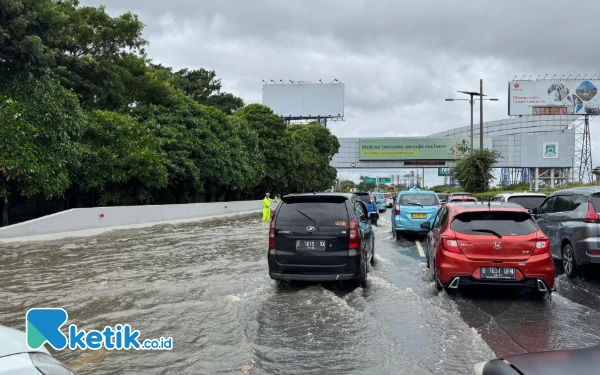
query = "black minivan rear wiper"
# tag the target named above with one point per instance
(413, 204)
(487, 231)
(309, 218)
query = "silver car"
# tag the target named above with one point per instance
(17, 358)
(570, 220)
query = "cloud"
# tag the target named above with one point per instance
(399, 60)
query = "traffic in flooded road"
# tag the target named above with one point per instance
(206, 284)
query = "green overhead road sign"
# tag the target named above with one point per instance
(373, 180)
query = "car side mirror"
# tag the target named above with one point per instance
(533, 211)
(426, 225)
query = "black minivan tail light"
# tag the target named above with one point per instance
(272, 235)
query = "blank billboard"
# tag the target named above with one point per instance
(305, 99)
(568, 97)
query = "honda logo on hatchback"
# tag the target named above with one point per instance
(310, 229)
(497, 245)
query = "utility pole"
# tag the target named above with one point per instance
(471, 101)
(480, 115)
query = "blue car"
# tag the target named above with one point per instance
(380, 201)
(413, 208)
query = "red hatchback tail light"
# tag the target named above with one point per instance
(450, 244)
(397, 209)
(272, 235)
(591, 216)
(542, 246)
(354, 241)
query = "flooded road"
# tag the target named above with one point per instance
(206, 285)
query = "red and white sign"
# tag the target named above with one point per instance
(580, 97)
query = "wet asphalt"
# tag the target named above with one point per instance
(206, 284)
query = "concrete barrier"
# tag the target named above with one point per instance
(87, 221)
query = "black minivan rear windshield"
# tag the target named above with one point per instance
(301, 214)
(366, 198)
(527, 201)
(488, 223)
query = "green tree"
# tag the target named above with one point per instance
(100, 55)
(276, 149)
(366, 186)
(474, 170)
(201, 147)
(31, 32)
(346, 185)
(248, 169)
(202, 86)
(313, 146)
(121, 163)
(39, 122)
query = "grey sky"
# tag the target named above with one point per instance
(398, 59)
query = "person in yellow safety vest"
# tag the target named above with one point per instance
(267, 207)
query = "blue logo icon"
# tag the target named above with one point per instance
(43, 326)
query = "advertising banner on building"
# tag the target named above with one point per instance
(416, 148)
(570, 97)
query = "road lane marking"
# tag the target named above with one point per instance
(420, 248)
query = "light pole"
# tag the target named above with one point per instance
(471, 100)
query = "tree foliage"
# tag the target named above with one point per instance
(86, 114)
(346, 185)
(474, 170)
(121, 161)
(39, 122)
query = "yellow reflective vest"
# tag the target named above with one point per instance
(267, 202)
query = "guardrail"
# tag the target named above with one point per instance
(88, 221)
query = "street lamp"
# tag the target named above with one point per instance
(471, 100)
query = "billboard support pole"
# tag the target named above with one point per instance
(585, 157)
(480, 115)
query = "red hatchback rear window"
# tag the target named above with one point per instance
(463, 199)
(489, 223)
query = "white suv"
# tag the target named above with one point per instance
(525, 199)
(17, 358)
(389, 199)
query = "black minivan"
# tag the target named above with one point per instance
(321, 237)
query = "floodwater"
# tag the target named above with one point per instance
(206, 285)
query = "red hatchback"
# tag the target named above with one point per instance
(489, 244)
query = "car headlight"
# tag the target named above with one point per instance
(48, 365)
